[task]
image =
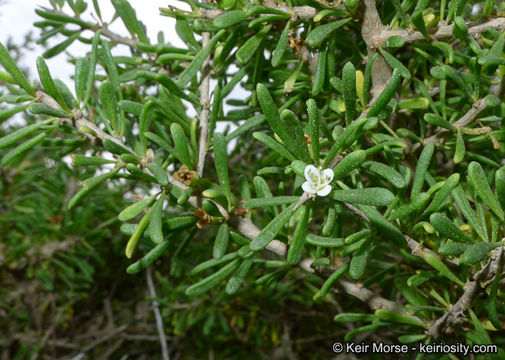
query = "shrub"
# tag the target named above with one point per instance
(358, 196)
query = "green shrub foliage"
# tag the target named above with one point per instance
(297, 174)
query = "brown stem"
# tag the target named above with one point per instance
(204, 113)
(493, 268)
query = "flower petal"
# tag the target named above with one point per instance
(307, 186)
(311, 173)
(324, 191)
(327, 176)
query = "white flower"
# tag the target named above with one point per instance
(318, 182)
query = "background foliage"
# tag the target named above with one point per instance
(111, 184)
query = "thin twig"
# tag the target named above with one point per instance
(157, 315)
(298, 12)
(493, 268)
(118, 39)
(469, 117)
(80, 123)
(247, 228)
(440, 32)
(204, 113)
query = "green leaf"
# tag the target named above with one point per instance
(387, 172)
(65, 92)
(271, 230)
(324, 241)
(448, 229)
(92, 67)
(460, 30)
(129, 17)
(8, 112)
(295, 250)
(479, 182)
(221, 243)
(63, 18)
(367, 196)
(479, 329)
(181, 145)
(230, 18)
(280, 48)
(81, 160)
(368, 78)
(415, 204)
(155, 224)
(108, 99)
(213, 262)
(442, 194)
(453, 248)
(456, 77)
(134, 239)
(329, 282)
(395, 64)
(387, 229)
(459, 152)
(418, 20)
(493, 316)
(221, 162)
(360, 259)
(136, 208)
(296, 134)
(211, 281)
(237, 279)
(11, 67)
(459, 196)
(353, 317)
(477, 252)
(180, 222)
(14, 136)
(80, 77)
(342, 138)
(313, 113)
(349, 163)
(48, 83)
(198, 60)
(248, 125)
(264, 202)
(274, 119)
(44, 109)
(437, 120)
(246, 51)
(320, 33)
(174, 89)
(441, 268)
(349, 91)
(395, 41)
(131, 107)
(386, 94)
(185, 32)
(22, 149)
(354, 238)
(90, 184)
(111, 68)
(394, 317)
(159, 173)
(115, 147)
(274, 145)
(500, 185)
(149, 258)
(422, 168)
(320, 73)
